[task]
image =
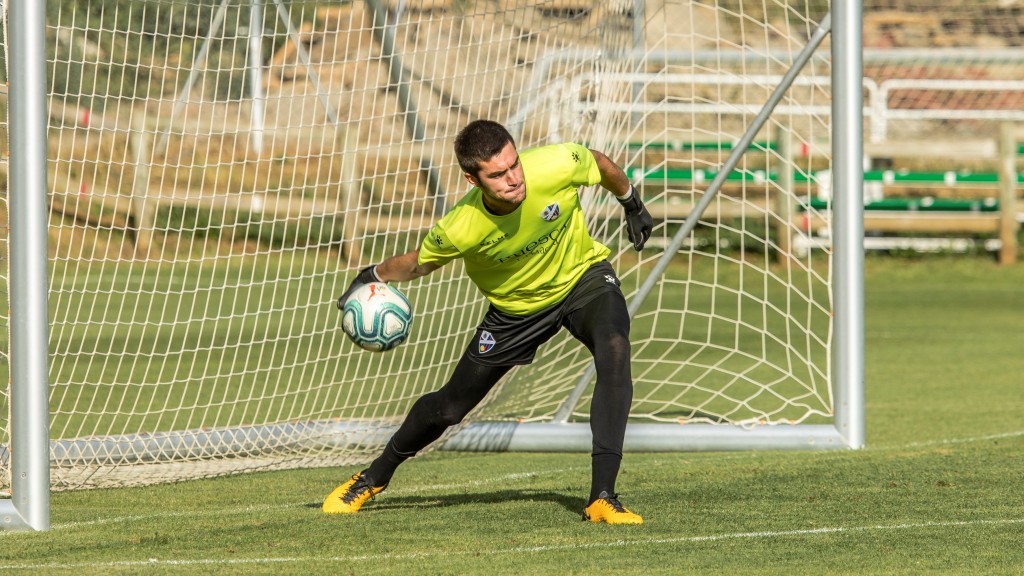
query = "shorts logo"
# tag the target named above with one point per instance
(487, 342)
(551, 212)
(611, 279)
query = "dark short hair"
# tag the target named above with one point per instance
(479, 141)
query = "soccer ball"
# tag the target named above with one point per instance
(377, 317)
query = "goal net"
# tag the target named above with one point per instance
(221, 169)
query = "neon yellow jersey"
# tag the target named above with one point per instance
(530, 259)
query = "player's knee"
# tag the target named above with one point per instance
(616, 346)
(444, 411)
(451, 414)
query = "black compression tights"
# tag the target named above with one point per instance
(602, 326)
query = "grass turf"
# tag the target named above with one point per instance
(937, 489)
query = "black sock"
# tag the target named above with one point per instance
(604, 470)
(383, 468)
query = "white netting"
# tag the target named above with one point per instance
(206, 211)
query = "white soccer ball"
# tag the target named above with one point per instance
(377, 317)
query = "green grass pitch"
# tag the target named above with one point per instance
(937, 490)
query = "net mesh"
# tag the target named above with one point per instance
(221, 169)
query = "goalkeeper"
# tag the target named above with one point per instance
(522, 236)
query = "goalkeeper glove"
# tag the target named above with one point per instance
(639, 221)
(365, 276)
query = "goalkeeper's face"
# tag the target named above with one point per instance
(501, 180)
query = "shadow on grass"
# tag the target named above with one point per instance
(573, 503)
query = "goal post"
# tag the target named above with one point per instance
(848, 221)
(219, 170)
(27, 456)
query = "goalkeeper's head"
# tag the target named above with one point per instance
(478, 142)
(488, 157)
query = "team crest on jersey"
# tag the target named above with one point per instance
(551, 212)
(487, 342)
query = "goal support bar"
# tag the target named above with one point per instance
(263, 440)
(576, 437)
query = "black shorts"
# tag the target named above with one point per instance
(504, 339)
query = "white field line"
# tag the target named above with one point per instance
(952, 441)
(762, 535)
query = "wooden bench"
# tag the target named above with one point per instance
(994, 214)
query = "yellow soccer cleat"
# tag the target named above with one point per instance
(350, 496)
(607, 508)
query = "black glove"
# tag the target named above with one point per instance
(639, 221)
(365, 276)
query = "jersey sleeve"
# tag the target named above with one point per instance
(436, 248)
(586, 171)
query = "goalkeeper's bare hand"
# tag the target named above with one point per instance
(365, 276)
(639, 221)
